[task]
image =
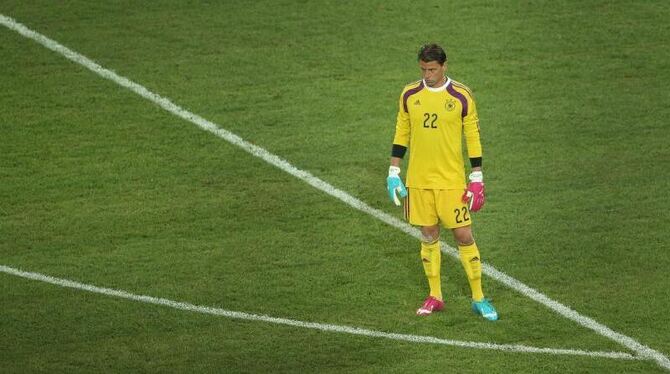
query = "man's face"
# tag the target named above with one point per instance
(432, 72)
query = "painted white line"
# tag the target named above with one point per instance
(310, 179)
(308, 325)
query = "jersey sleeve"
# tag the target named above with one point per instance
(471, 129)
(402, 127)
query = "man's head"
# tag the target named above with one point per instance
(433, 64)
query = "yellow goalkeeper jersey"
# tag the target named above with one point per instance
(431, 123)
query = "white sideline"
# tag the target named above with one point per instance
(310, 179)
(309, 325)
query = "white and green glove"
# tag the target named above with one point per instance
(394, 185)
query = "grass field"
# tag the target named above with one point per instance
(103, 187)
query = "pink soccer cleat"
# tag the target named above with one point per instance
(429, 306)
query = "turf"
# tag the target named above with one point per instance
(103, 187)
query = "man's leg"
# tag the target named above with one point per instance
(469, 254)
(431, 258)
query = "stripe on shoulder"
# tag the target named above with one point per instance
(462, 86)
(410, 90)
(414, 84)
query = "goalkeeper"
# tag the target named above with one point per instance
(434, 113)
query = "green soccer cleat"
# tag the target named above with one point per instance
(485, 309)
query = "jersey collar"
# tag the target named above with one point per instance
(437, 89)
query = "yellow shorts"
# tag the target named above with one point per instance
(428, 207)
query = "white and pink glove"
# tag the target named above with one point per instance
(474, 194)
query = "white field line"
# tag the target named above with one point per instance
(310, 179)
(309, 325)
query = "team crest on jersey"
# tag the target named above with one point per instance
(450, 105)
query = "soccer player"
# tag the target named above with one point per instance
(433, 115)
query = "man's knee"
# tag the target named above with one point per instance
(430, 234)
(463, 235)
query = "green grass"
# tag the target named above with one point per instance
(103, 187)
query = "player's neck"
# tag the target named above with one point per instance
(441, 85)
(441, 82)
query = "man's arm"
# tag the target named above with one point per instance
(394, 184)
(476, 168)
(397, 152)
(474, 194)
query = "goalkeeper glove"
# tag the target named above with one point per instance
(394, 184)
(474, 194)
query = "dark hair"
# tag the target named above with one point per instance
(432, 52)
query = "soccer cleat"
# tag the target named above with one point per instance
(429, 306)
(485, 309)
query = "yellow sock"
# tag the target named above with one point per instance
(469, 255)
(431, 257)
